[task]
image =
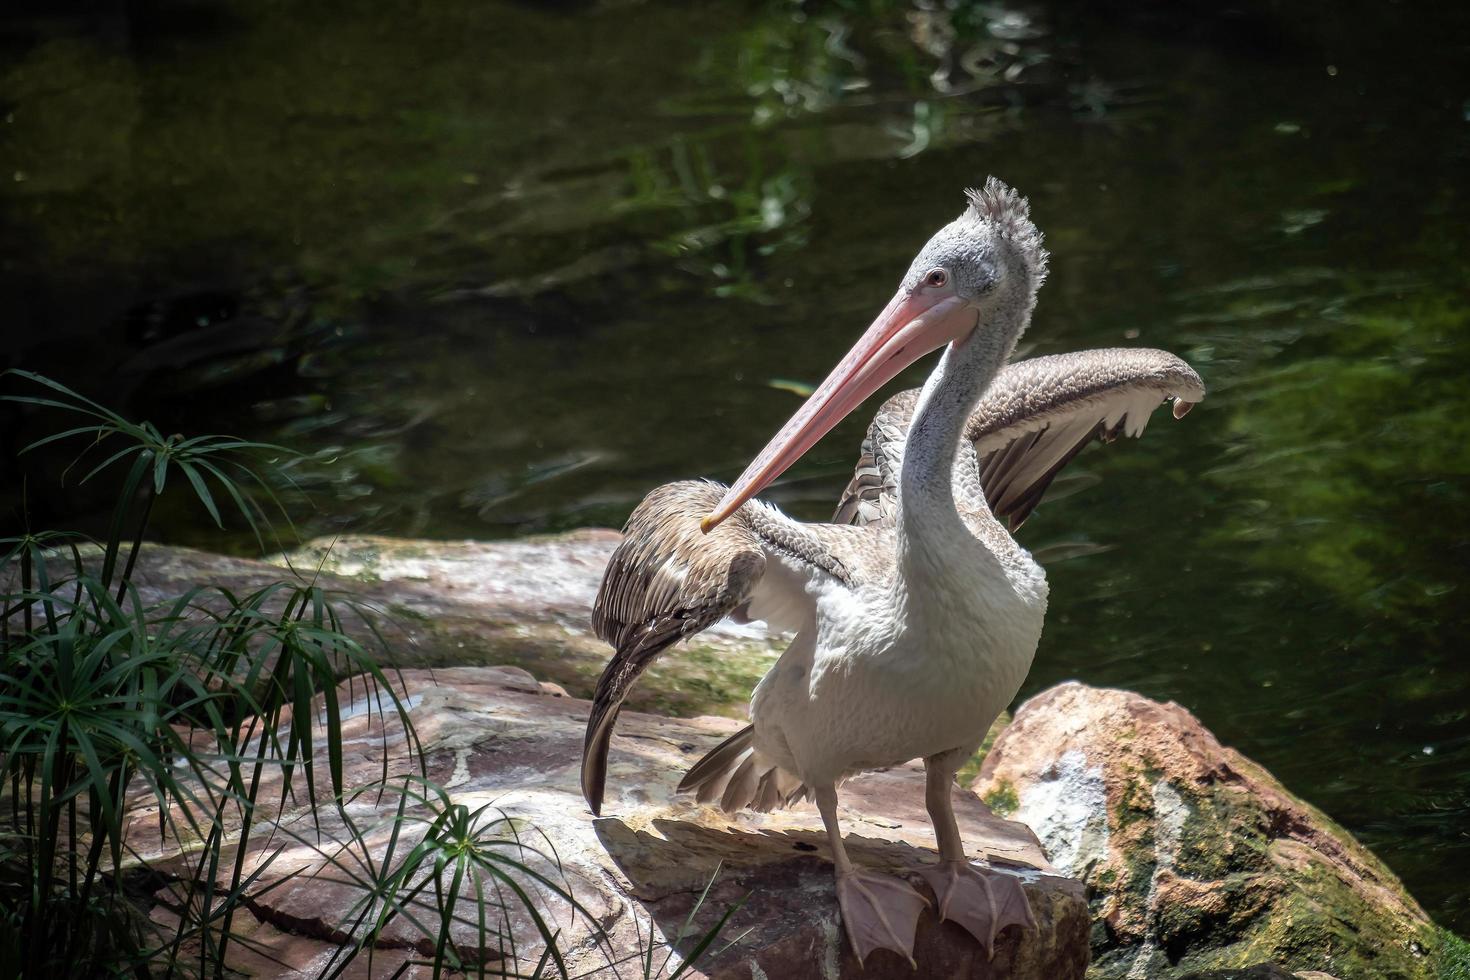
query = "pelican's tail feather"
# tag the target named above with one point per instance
(734, 776)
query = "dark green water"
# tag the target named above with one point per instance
(508, 266)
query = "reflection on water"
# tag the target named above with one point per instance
(501, 268)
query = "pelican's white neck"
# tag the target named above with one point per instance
(926, 483)
(928, 517)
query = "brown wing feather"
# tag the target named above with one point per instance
(1034, 419)
(870, 494)
(667, 580)
(1054, 407)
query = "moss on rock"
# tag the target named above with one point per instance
(1207, 863)
(1002, 799)
(1453, 959)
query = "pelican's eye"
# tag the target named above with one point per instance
(936, 278)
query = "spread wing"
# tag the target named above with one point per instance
(1033, 420)
(668, 580)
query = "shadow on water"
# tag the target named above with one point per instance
(500, 268)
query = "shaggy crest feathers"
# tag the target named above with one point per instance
(1010, 214)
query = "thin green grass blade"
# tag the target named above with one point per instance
(201, 490)
(101, 431)
(119, 517)
(125, 451)
(705, 942)
(100, 411)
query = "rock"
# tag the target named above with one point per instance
(1261, 971)
(524, 602)
(1195, 858)
(493, 736)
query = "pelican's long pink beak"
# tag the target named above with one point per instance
(912, 325)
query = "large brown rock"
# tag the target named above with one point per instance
(496, 736)
(1194, 857)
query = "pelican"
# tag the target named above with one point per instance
(916, 615)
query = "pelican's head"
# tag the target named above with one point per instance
(991, 254)
(992, 244)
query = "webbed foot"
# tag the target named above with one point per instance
(984, 902)
(880, 912)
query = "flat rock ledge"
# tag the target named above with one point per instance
(494, 735)
(525, 603)
(1197, 862)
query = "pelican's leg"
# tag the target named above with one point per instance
(981, 901)
(879, 911)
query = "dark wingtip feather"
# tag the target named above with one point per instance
(607, 703)
(593, 793)
(666, 580)
(594, 758)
